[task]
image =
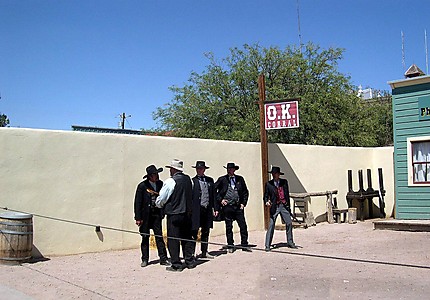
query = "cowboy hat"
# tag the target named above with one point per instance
(200, 164)
(152, 170)
(177, 164)
(232, 165)
(276, 170)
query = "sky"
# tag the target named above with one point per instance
(85, 62)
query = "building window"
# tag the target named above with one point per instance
(418, 161)
(421, 161)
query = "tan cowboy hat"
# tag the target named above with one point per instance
(177, 164)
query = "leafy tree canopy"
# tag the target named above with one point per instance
(222, 101)
(4, 121)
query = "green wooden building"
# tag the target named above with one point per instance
(411, 129)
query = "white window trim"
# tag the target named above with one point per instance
(409, 142)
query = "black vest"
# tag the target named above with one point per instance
(181, 198)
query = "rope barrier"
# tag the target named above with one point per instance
(225, 246)
(99, 227)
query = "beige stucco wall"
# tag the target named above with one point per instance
(91, 178)
(323, 168)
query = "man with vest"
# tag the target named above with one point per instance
(233, 197)
(175, 197)
(204, 206)
(277, 197)
(148, 216)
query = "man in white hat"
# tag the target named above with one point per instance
(277, 197)
(176, 199)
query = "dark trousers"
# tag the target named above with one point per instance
(204, 237)
(286, 216)
(154, 222)
(234, 213)
(179, 227)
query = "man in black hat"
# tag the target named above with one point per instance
(233, 196)
(277, 197)
(176, 199)
(204, 206)
(148, 216)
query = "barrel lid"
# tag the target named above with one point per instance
(15, 215)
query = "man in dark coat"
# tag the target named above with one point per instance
(233, 196)
(204, 206)
(148, 216)
(176, 199)
(277, 197)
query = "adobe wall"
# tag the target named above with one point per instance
(91, 178)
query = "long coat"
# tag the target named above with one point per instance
(224, 181)
(270, 193)
(197, 192)
(142, 201)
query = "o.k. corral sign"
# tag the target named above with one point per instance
(281, 115)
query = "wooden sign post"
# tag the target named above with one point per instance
(264, 149)
(279, 114)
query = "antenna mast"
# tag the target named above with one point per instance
(427, 53)
(403, 51)
(298, 22)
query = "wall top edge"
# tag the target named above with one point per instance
(132, 136)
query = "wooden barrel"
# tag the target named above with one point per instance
(16, 237)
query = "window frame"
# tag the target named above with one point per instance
(411, 177)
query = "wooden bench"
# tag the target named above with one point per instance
(302, 217)
(300, 209)
(339, 212)
(329, 204)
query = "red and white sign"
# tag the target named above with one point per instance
(281, 115)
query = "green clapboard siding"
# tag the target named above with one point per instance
(412, 216)
(412, 202)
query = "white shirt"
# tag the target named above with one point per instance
(165, 192)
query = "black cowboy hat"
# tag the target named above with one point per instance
(200, 164)
(232, 165)
(152, 170)
(276, 170)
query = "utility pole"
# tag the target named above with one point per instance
(123, 118)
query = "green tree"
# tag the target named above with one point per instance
(4, 121)
(221, 102)
(379, 120)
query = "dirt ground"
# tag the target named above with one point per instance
(337, 261)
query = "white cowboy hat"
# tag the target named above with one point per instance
(177, 164)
